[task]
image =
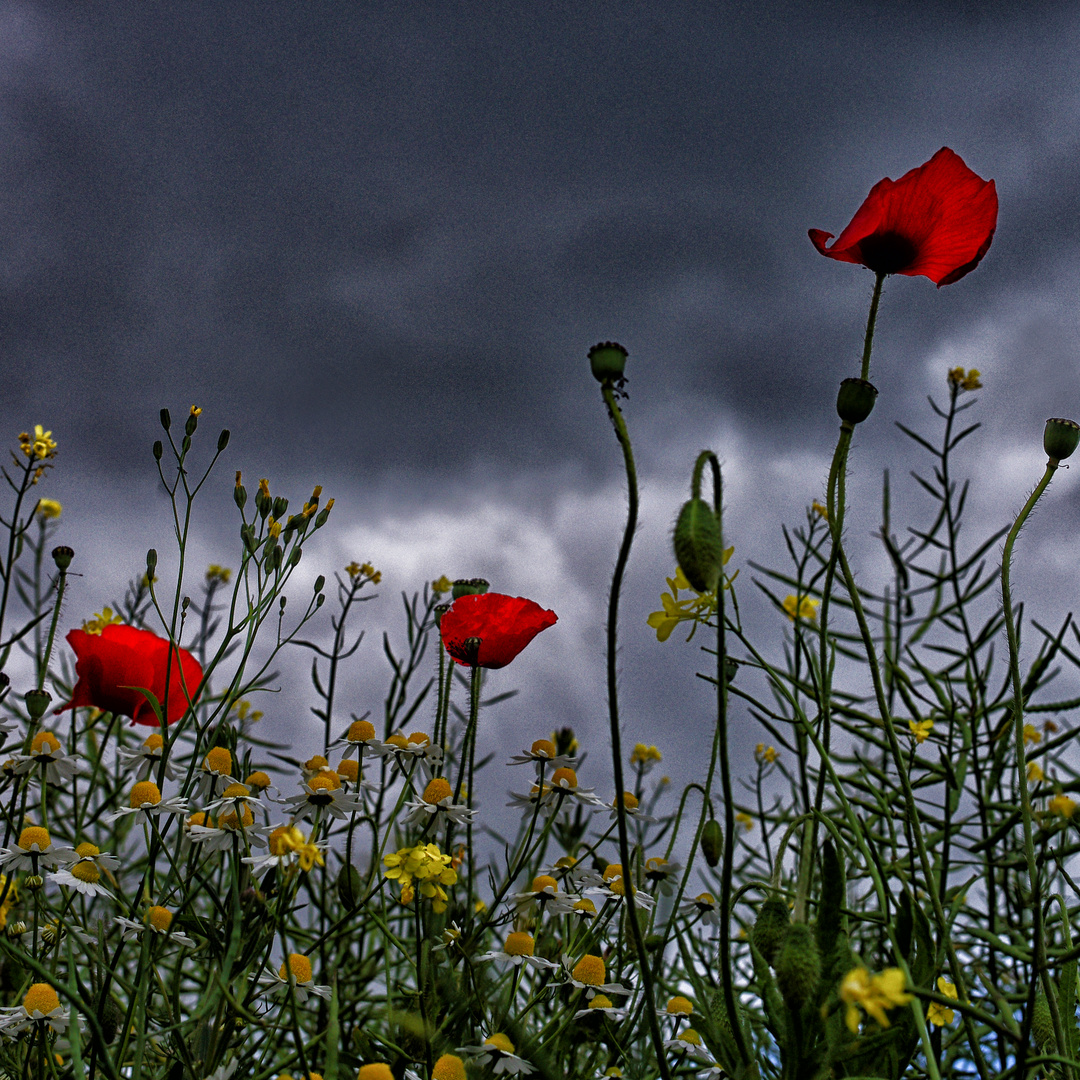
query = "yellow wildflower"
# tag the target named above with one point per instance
(38, 446)
(1032, 735)
(196, 411)
(100, 621)
(218, 573)
(965, 381)
(804, 608)
(873, 993)
(820, 510)
(643, 755)
(745, 820)
(940, 1014)
(920, 729)
(442, 585)
(1034, 772)
(698, 608)
(1062, 805)
(49, 508)
(765, 755)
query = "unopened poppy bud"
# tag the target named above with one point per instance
(770, 927)
(223, 439)
(37, 701)
(798, 966)
(166, 419)
(855, 401)
(158, 449)
(62, 556)
(471, 650)
(697, 545)
(712, 842)
(470, 586)
(1042, 1023)
(350, 887)
(608, 360)
(438, 611)
(1060, 438)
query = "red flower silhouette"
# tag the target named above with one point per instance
(937, 220)
(112, 663)
(504, 625)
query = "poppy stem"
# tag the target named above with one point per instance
(43, 671)
(1040, 969)
(868, 344)
(621, 433)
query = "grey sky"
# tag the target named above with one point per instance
(376, 241)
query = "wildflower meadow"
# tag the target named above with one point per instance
(888, 893)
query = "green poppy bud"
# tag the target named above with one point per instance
(855, 402)
(712, 842)
(697, 545)
(37, 701)
(350, 887)
(798, 966)
(62, 556)
(608, 360)
(476, 586)
(1060, 438)
(770, 927)
(1042, 1024)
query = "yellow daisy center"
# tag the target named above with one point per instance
(585, 904)
(86, 871)
(154, 742)
(218, 761)
(680, 1006)
(519, 944)
(448, 1067)
(236, 791)
(41, 997)
(198, 818)
(564, 778)
(258, 780)
(690, 1036)
(145, 793)
(349, 770)
(500, 1042)
(542, 882)
(360, 731)
(418, 738)
(325, 781)
(35, 834)
(87, 850)
(543, 748)
(705, 899)
(316, 763)
(398, 740)
(160, 918)
(629, 800)
(379, 1070)
(45, 742)
(230, 819)
(299, 967)
(590, 970)
(600, 1001)
(437, 790)
(612, 870)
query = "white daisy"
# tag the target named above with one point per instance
(158, 921)
(601, 1004)
(34, 850)
(147, 758)
(296, 970)
(663, 873)
(498, 1051)
(542, 753)
(544, 892)
(704, 904)
(216, 773)
(518, 950)
(47, 753)
(146, 799)
(589, 973)
(438, 800)
(360, 738)
(323, 792)
(688, 1043)
(632, 807)
(40, 1008)
(84, 877)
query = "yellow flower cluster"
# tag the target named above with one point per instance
(9, 900)
(290, 838)
(965, 381)
(38, 446)
(100, 621)
(643, 754)
(698, 608)
(939, 1014)
(766, 755)
(442, 585)
(803, 609)
(363, 570)
(217, 573)
(426, 864)
(49, 509)
(873, 994)
(244, 711)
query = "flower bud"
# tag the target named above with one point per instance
(350, 887)
(470, 586)
(770, 927)
(294, 555)
(1042, 1023)
(191, 423)
(1060, 438)
(798, 966)
(697, 545)
(62, 556)
(151, 563)
(158, 449)
(223, 439)
(712, 842)
(280, 506)
(855, 402)
(166, 419)
(320, 581)
(608, 360)
(247, 534)
(438, 611)
(37, 701)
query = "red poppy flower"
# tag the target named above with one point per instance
(504, 625)
(937, 220)
(111, 664)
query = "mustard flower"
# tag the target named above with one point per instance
(1062, 806)
(939, 1014)
(874, 994)
(38, 446)
(965, 381)
(804, 608)
(288, 847)
(765, 755)
(422, 867)
(697, 609)
(49, 509)
(920, 729)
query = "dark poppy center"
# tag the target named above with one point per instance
(887, 252)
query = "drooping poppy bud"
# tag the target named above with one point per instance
(1060, 438)
(712, 842)
(855, 401)
(697, 545)
(770, 927)
(798, 966)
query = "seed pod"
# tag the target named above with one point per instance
(476, 586)
(37, 701)
(697, 545)
(111, 1017)
(855, 401)
(349, 886)
(798, 966)
(1060, 438)
(608, 360)
(770, 927)
(712, 842)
